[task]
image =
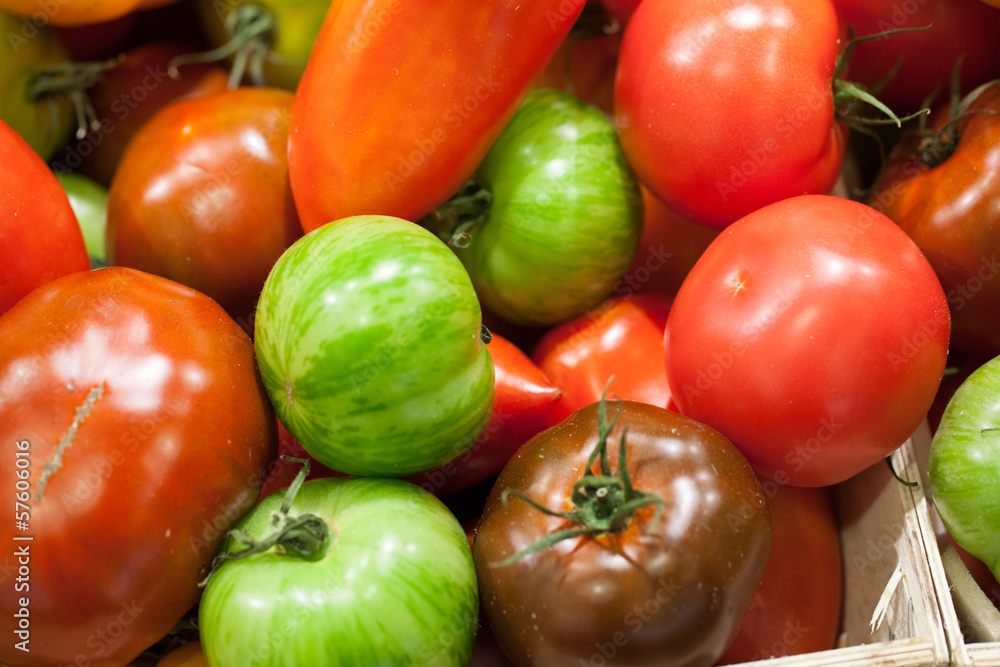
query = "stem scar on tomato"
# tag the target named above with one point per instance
(602, 503)
(55, 462)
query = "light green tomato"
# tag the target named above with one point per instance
(565, 218)
(397, 585)
(964, 465)
(368, 336)
(89, 200)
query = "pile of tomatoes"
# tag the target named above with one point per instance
(300, 301)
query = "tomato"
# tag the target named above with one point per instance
(617, 339)
(635, 589)
(949, 204)
(621, 9)
(283, 471)
(364, 117)
(964, 464)
(584, 66)
(279, 55)
(368, 336)
(922, 59)
(394, 584)
(40, 239)
(44, 121)
(827, 323)
(76, 12)
(524, 400)
(89, 201)
(218, 212)
(187, 655)
(126, 97)
(796, 610)
(556, 215)
(97, 41)
(135, 430)
(724, 106)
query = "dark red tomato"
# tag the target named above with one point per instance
(129, 95)
(724, 106)
(136, 406)
(926, 58)
(584, 66)
(525, 398)
(621, 338)
(796, 610)
(638, 588)
(948, 202)
(203, 198)
(40, 239)
(96, 41)
(814, 334)
(670, 246)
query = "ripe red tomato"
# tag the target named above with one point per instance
(40, 239)
(619, 338)
(218, 212)
(724, 106)
(813, 333)
(632, 590)
(796, 610)
(925, 58)
(136, 405)
(948, 202)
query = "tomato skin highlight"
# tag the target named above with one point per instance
(40, 239)
(364, 142)
(829, 324)
(173, 432)
(667, 595)
(724, 106)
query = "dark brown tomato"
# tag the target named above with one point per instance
(665, 593)
(202, 196)
(134, 422)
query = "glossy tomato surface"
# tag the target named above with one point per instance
(949, 204)
(40, 239)
(202, 195)
(135, 406)
(724, 106)
(814, 334)
(669, 592)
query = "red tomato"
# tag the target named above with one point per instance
(926, 57)
(136, 404)
(724, 106)
(949, 204)
(796, 610)
(218, 212)
(622, 338)
(814, 334)
(366, 139)
(126, 97)
(40, 239)
(76, 12)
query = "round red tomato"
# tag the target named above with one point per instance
(217, 211)
(724, 106)
(40, 238)
(812, 333)
(134, 430)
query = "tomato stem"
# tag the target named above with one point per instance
(306, 537)
(602, 503)
(892, 469)
(72, 80)
(454, 221)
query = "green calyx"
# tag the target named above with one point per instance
(72, 80)
(454, 221)
(305, 537)
(603, 503)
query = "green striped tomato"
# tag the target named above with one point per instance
(565, 217)
(368, 339)
(396, 586)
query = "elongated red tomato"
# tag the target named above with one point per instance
(724, 106)
(400, 100)
(40, 239)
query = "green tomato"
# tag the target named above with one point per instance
(396, 585)
(45, 123)
(368, 338)
(565, 217)
(89, 200)
(964, 465)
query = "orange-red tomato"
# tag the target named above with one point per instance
(77, 12)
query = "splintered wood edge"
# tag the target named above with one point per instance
(916, 652)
